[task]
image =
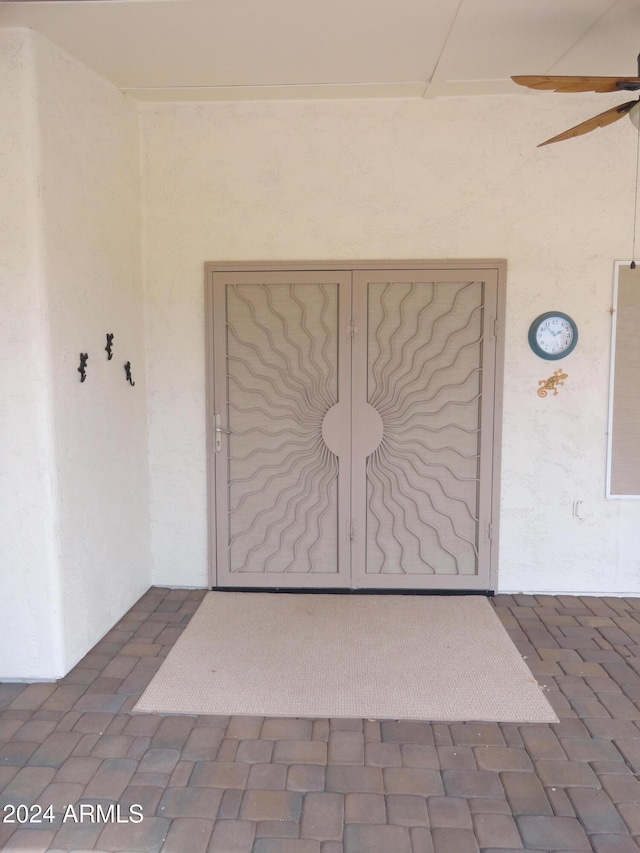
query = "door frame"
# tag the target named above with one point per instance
(497, 266)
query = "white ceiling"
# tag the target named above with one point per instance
(272, 49)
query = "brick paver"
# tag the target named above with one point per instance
(376, 839)
(272, 785)
(365, 808)
(322, 816)
(552, 833)
(525, 793)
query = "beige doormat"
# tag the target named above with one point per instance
(370, 656)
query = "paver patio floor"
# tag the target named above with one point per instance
(118, 781)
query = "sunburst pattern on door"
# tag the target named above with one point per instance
(424, 379)
(353, 427)
(282, 364)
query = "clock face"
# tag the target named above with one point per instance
(553, 335)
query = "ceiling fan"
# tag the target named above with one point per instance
(586, 84)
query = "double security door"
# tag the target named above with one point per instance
(352, 428)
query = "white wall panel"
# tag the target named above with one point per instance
(74, 523)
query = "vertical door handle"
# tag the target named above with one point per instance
(219, 430)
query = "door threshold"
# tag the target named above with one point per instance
(489, 593)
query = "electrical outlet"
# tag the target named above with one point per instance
(578, 509)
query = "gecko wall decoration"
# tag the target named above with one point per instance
(551, 384)
(82, 370)
(127, 370)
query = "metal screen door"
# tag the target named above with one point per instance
(352, 428)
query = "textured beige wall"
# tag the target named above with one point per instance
(90, 196)
(403, 179)
(74, 524)
(30, 612)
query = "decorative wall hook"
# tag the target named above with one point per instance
(551, 384)
(84, 357)
(108, 346)
(127, 370)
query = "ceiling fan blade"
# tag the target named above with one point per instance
(579, 84)
(601, 120)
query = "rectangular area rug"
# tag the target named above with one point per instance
(370, 656)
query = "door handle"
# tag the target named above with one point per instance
(219, 430)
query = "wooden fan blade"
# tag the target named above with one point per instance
(601, 120)
(580, 84)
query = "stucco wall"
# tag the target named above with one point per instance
(448, 178)
(76, 535)
(91, 202)
(30, 611)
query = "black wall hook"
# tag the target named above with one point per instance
(127, 370)
(84, 357)
(108, 346)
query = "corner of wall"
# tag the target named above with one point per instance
(91, 201)
(30, 620)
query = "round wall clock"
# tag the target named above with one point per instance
(553, 335)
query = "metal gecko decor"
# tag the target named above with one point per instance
(127, 370)
(82, 370)
(552, 383)
(84, 357)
